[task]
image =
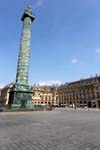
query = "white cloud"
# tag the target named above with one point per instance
(98, 50)
(43, 83)
(74, 61)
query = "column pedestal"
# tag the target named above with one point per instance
(21, 97)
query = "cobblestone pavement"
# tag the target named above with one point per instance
(57, 130)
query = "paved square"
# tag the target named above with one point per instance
(56, 130)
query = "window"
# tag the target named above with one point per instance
(97, 88)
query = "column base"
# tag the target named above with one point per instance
(21, 97)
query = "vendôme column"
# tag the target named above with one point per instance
(21, 93)
(24, 54)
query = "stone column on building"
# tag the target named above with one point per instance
(95, 97)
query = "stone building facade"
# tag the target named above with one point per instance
(42, 95)
(82, 93)
(4, 94)
(45, 95)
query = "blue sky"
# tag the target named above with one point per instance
(65, 43)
